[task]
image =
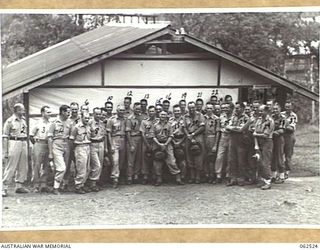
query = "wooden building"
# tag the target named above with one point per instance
(146, 61)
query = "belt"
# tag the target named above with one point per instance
(97, 141)
(44, 141)
(82, 144)
(61, 139)
(15, 138)
(121, 136)
(178, 136)
(135, 135)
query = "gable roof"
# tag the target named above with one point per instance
(104, 42)
(73, 51)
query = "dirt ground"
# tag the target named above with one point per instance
(297, 201)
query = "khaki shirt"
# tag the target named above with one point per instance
(97, 129)
(80, 133)
(59, 129)
(212, 124)
(265, 127)
(147, 128)
(162, 131)
(279, 122)
(15, 127)
(193, 123)
(291, 119)
(177, 127)
(116, 126)
(224, 122)
(128, 112)
(238, 121)
(40, 130)
(133, 125)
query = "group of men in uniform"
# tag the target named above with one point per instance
(243, 143)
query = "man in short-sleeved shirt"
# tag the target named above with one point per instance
(289, 135)
(59, 148)
(15, 150)
(263, 132)
(194, 123)
(39, 137)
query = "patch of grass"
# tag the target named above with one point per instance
(306, 161)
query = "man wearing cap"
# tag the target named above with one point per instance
(162, 142)
(147, 133)
(134, 144)
(289, 135)
(80, 136)
(58, 143)
(97, 148)
(212, 124)
(15, 150)
(116, 136)
(39, 137)
(263, 133)
(179, 140)
(194, 127)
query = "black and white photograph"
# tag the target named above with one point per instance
(160, 118)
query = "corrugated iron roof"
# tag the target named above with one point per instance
(72, 51)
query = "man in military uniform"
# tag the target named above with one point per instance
(194, 127)
(183, 107)
(116, 136)
(278, 145)
(70, 171)
(217, 110)
(15, 150)
(107, 160)
(166, 107)
(147, 133)
(144, 108)
(159, 109)
(179, 140)
(199, 106)
(214, 100)
(228, 99)
(211, 129)
(248, 110)
(109, 108)
(289, 135)
(134, 144)
(224, 143)
(238, 149)
(58, 143)
(162, 142)
(39, 137)
(80, 135)
(127, 103)
(97, 148)
(263, 131)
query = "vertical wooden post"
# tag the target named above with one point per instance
(26, 105)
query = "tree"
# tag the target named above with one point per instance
(262, 38)
(25, 34)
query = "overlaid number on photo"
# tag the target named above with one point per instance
(160, 119)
